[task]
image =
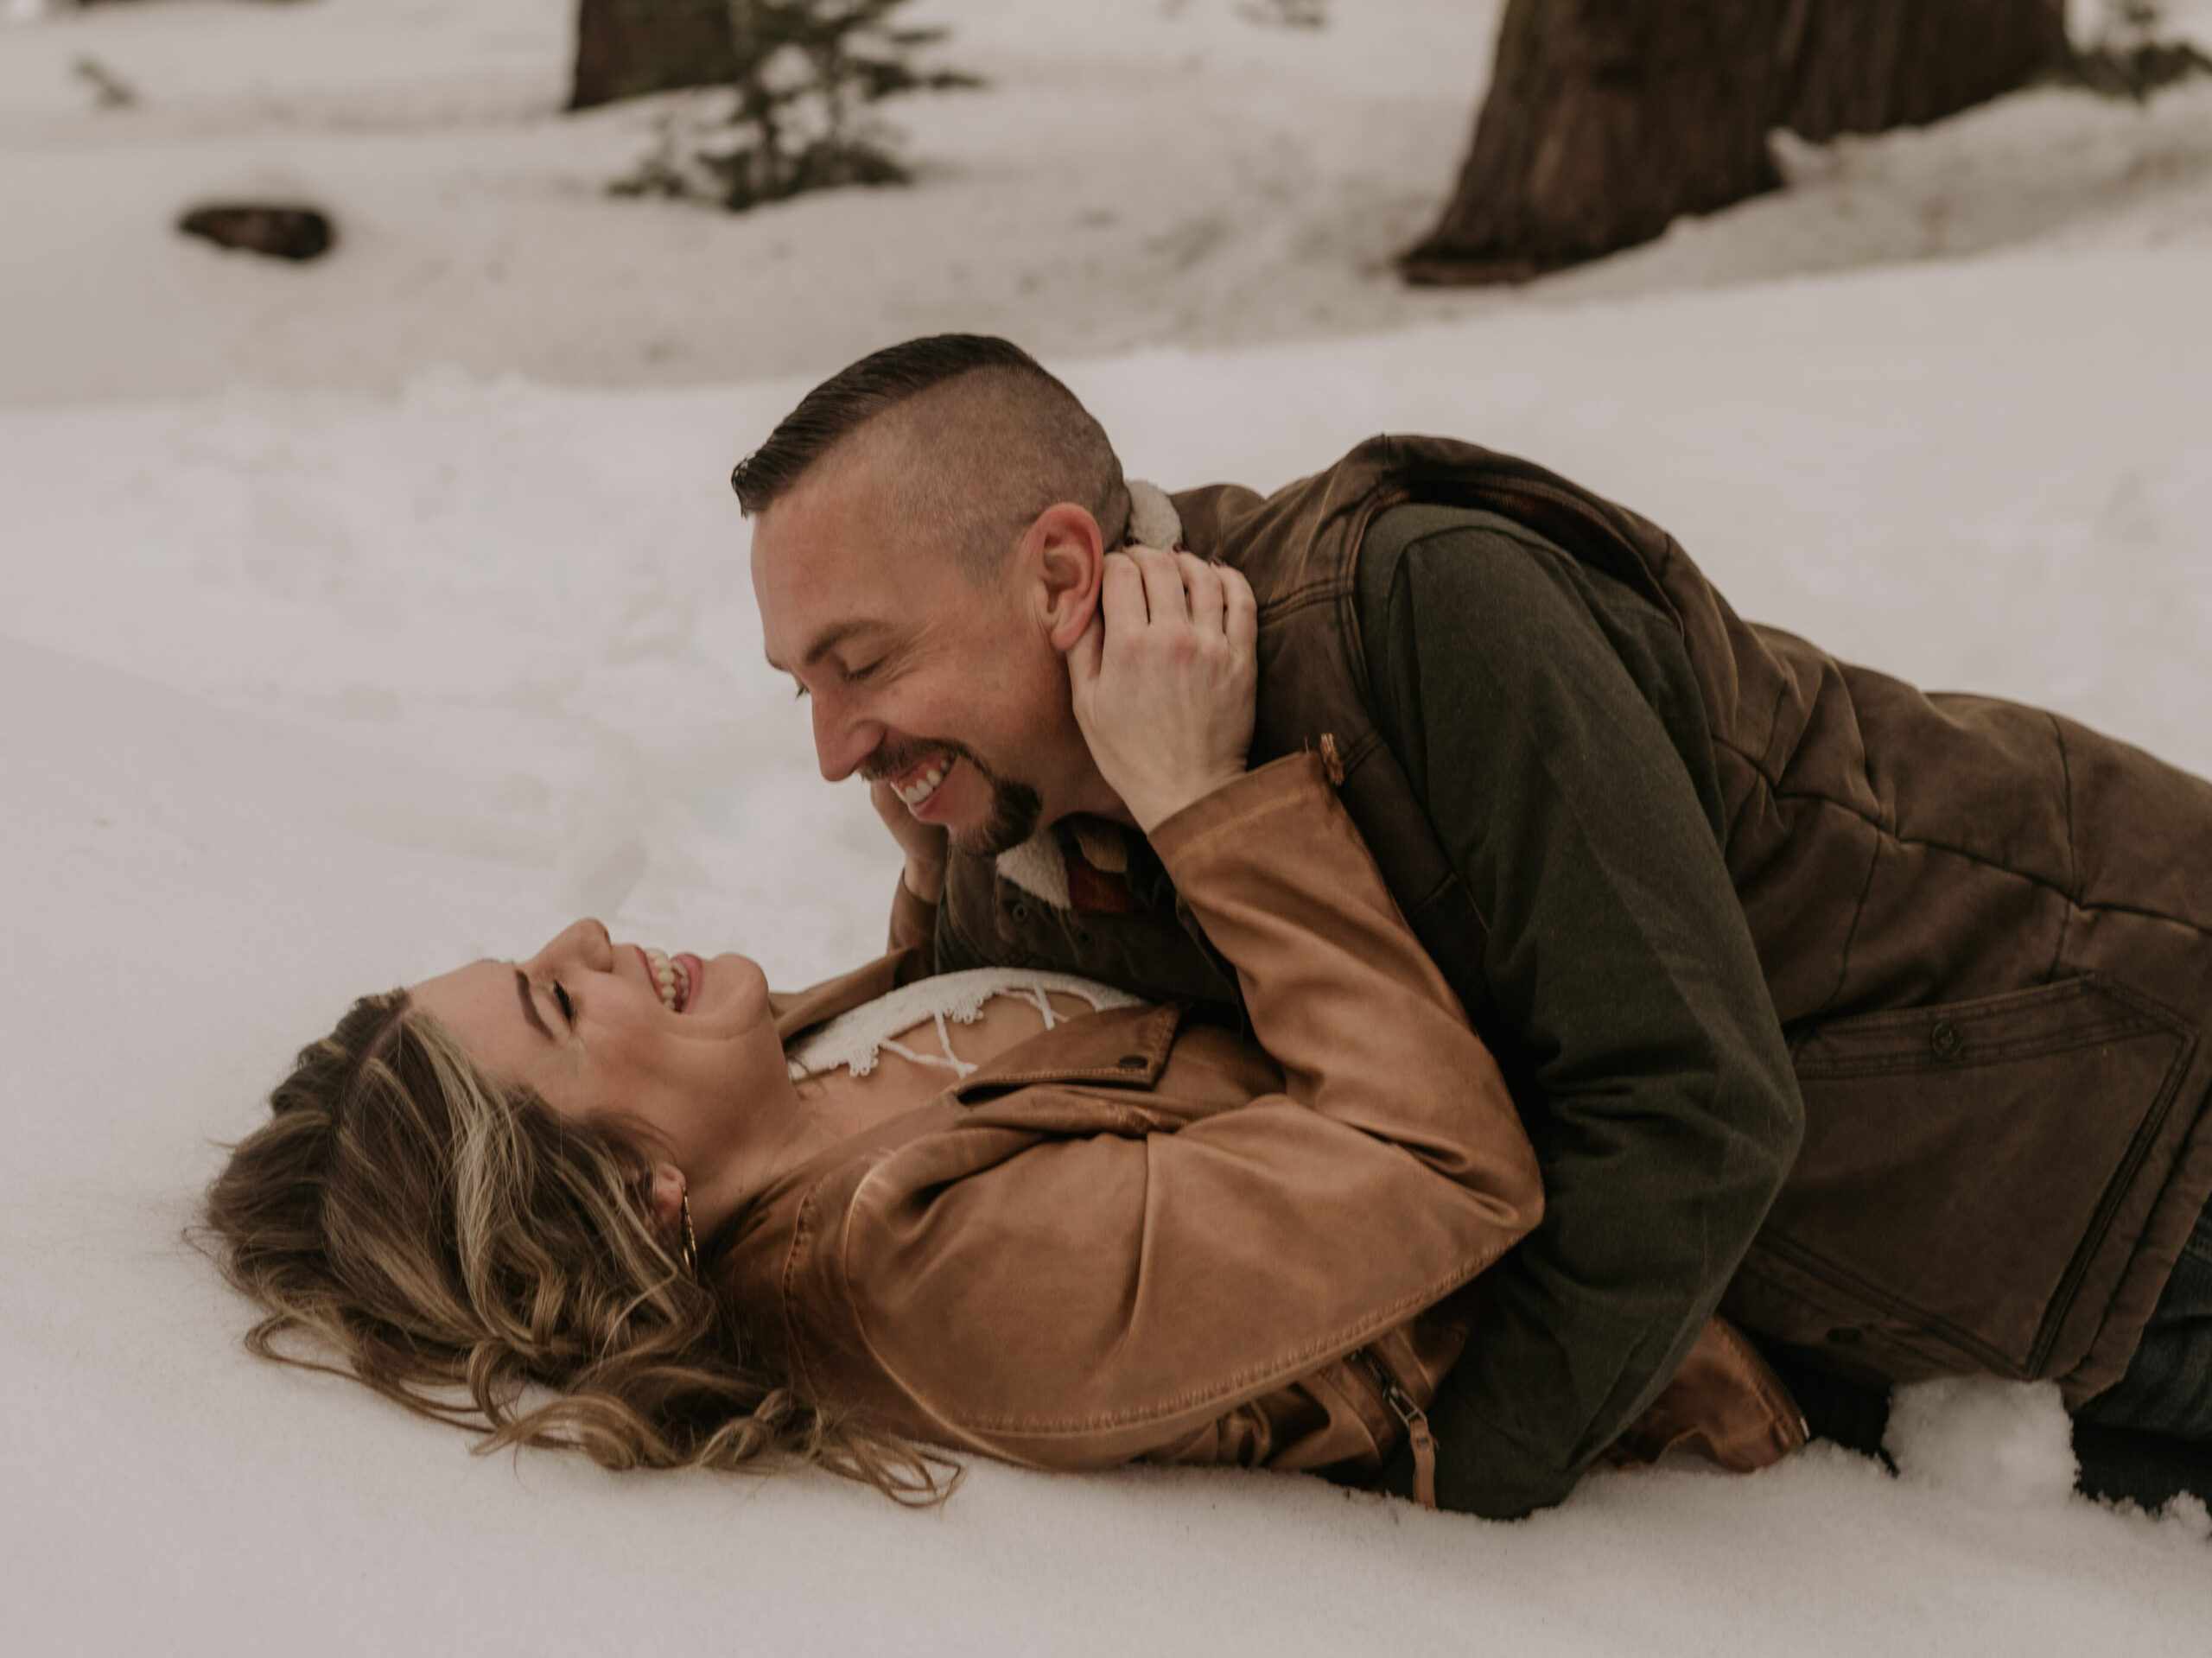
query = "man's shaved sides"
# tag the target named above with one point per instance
(975, 459)
(973, 437)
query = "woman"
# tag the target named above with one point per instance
(1000, 1213)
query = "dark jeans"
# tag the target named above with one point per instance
(2167, 1387)
(2146, 1439)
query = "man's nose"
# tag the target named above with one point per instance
(842, 738)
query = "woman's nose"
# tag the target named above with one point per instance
(583, 944)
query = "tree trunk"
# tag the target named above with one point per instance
(625, 48)
(1866, 65)
(1607, 119)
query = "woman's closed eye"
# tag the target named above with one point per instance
(567, 1007)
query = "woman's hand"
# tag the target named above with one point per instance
(1165, 679)
(923, 843)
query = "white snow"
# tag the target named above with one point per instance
(2007, 1445)
(1139, 170)
(363, 619)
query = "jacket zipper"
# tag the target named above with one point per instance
(1415, 1419)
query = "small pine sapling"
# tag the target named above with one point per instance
(798, 114)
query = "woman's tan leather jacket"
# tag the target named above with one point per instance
(1128, 1238)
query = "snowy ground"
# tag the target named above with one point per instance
(359, 621)
(1140, 171)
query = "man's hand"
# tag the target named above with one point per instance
(1165, 679)
(923, 843)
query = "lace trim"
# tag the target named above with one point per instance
(856, 1038)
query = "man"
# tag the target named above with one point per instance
(1705, 891)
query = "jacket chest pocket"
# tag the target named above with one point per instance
(1963, 1168)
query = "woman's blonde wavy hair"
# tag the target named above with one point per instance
(464, 1251)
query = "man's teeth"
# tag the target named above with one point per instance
(916, 793)
(669, 978)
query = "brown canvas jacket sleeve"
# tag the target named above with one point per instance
(1072, 1277)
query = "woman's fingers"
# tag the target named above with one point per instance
(1240, 611)
(1163, 584)
(1203, 591)
(1122, 595)
(923, 844)
(1180, 586)
(1083, 654)
(1163, 679)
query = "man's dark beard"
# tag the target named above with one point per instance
(1015, 807)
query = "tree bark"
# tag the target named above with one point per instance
(1866, 65)
(1608, 120)
(625, 48)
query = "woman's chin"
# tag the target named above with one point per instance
(733, 985)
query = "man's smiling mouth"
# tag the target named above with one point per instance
(918, 788)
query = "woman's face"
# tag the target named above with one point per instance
(683, 1048)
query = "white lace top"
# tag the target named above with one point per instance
(855, 1038)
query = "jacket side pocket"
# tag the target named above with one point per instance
(1961, 1168)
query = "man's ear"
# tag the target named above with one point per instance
(1063, 557)
(666, 1195)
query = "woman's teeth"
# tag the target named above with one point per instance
(669, 978)
(916, 793)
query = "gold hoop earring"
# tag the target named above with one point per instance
(690, 1238)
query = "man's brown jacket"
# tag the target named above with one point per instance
(1986, 932)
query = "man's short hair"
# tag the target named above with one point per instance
(984, 441)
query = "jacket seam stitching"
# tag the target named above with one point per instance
(1857, 915)
(1822, 798)
(1049, 1427)
(1320, 590)
(1213, 832)
(2066, 781)
(1837, 1276)
(2073, 853)
(1782, 689)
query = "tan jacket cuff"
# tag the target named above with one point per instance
(1255, 792)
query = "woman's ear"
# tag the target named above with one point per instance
(1064, 557)
(666, 1195)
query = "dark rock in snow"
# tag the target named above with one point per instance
(280, 232)
(110, 90)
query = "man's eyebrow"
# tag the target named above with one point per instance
(829, 639)
(530, 1004)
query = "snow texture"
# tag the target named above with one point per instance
(364, 618)
(2002, 1444)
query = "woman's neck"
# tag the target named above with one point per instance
(792, 1127)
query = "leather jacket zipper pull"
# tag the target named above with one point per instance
(1418, 1436)
(1424, 1444)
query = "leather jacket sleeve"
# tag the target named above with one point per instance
(1072, 1275)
